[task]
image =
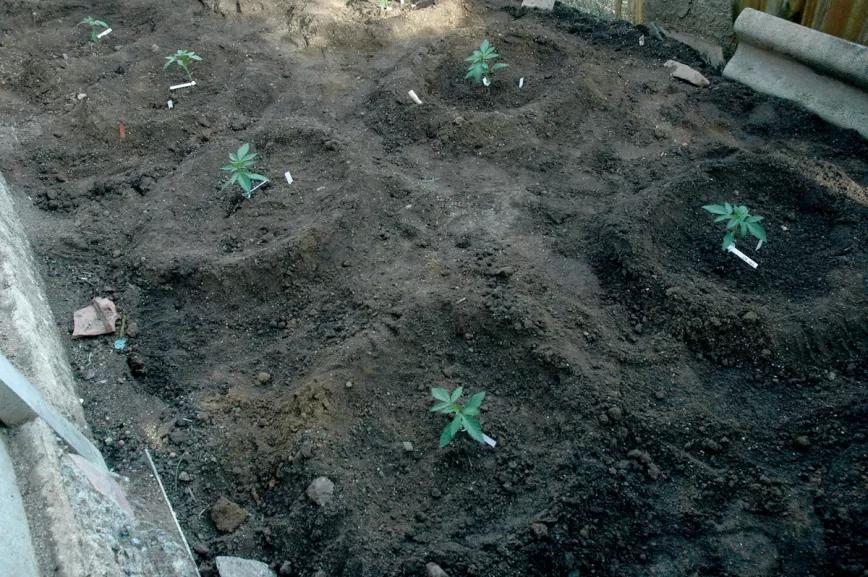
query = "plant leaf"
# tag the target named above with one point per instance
(473, 428)
(440, 394)
(243, 150)
(715, 208)
(757, 230)
(449, 431)
(443, 407)
(244, 181)
(728, 240)
(475, 401)
(456, 394)
(254, 176)
(499, 66)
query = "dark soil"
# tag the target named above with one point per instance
(660, 408)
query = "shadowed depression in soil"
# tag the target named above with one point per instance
(660, 408)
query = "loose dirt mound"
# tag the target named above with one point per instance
(660, 408)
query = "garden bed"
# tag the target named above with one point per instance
(660, 408)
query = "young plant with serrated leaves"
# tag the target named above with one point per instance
(95, 26)
(740, 223)
(182, 59)
(482, 66)
(466, 416)
(240, 169)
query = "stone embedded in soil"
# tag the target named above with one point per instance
(408, 446)
(803, 442)
(615, 413)
(321, 491)
(285, 569)
(227, 516)
(201, 549)
(263, 378)
(237, 567)
(132, 330)
(434, 570)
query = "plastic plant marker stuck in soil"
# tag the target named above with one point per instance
(742, 256)
(184, 85)
(288, 177)
(414, 97)
(105, 32)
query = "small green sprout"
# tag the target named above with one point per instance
(739, 223)
(466, 417)
(95, 25)
(240, 165)
(183, 59)
(384, 4)
(482, 66)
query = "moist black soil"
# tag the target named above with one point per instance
(660, 408)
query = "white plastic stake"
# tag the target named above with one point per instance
(258, 186)
(414, 97)
(288, 177)
(488, 440)
(642, 40)
(521, 82)
(170, 104)
(105, 32)
(742, 256)
(185, 85)
(486, 81)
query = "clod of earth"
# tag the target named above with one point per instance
(321, 491)
(227, 516)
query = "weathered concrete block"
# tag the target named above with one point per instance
(238, 567)
(825, 74)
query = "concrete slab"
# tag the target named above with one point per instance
(20, 402)
(238, 567)
(825, 74)
(19, 557)
(539, 4)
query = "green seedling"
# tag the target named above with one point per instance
(384, 4)
(739, 223)
(466, 416)
(239, 167)
(182, 59)
(95, 26)
(482, 66)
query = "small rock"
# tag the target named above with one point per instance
(686, 73)
(803, 442)
(408, 446)
(653, 471)
(80, 96)
(237, 567)
(434, 570)
(435, 493)
(615, 413)
(133, 327)
(348, 384)
(320, 573)
(185, 477)
(227, 516)
(263, 378)
(321, 491)
(750, 316)
(539, 530)
(178, 437)
(285, 569)
(659, 395)
(202, 549)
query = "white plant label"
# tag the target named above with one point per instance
(185, 85)
(170, 104)
(742, 256)
(642, 40)
(521, 82)
(488, 440)
(414, 97)
(105, 32)
(258, 186)
(486, 81)
(288, 177)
